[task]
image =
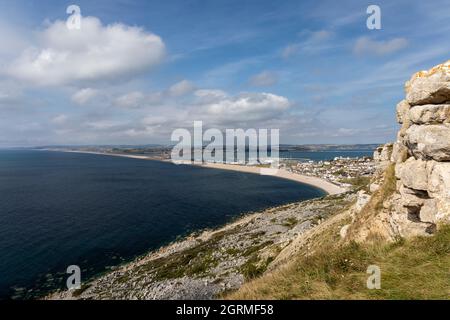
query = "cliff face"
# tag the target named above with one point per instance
(419, 161)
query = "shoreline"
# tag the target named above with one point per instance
(190, 242)
(155, 275)
(326, 186)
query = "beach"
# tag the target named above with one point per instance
(322, 184)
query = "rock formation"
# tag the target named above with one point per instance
(421, 160)
(423, 187)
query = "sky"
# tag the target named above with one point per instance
(137, 70)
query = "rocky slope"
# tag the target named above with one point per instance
(419, 201)
(212, 263)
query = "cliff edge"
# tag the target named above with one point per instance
(410, 194)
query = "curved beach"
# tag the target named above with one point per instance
(322, 184)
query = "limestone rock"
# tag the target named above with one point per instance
(374, 187)
(421, 155)
(402, 111)
(343, 231)
(399, 153)
(439, 180)
(383, 153)
(407, 226)
(413, 174)
(361, 201)
(430, 114)
(429, 142)
(411, 198)
(429, 87)
(428, 211)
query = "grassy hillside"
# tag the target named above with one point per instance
(414, 269)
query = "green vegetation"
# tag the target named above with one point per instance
(357, 183)
(250, 251)
(195, 261)
(78, 292)
(290, 222)
(254, 268)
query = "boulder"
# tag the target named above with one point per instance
(413, 174)
(429, 87)
(430, 114)
(431, 142)
(383, 153)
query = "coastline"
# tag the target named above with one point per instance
(207, 264)
(328, 187)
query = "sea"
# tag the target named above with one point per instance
(60, 209)
(325, 155)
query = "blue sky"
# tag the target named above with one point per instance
(137, 70)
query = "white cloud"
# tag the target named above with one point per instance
(181, 88)
(130, 100)
(103, 124)
(247, 107)
(365, 45)
(95, 52)
(155, 120)
(60, 119)
(263, 79)
(84, 95)
(210, 95)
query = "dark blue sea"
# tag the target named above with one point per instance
(59, 209)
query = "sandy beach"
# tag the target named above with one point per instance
(322, 184)
(326, 186)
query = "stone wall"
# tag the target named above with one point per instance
(422, 153)
(414, 200)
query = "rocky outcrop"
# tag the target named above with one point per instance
(429, 87)
(422, 154)
(410, 194)
(430, 114)
(429, 142)
(383, 153)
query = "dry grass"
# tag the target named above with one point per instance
(328, 268)
(368, 221)
(415, 269)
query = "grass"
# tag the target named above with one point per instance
(254, 268)
(415, 269)
(372, 209)
(254, 249)
(357, 183)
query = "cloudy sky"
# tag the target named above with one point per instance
(137, 70)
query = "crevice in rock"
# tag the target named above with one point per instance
(414, 214)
